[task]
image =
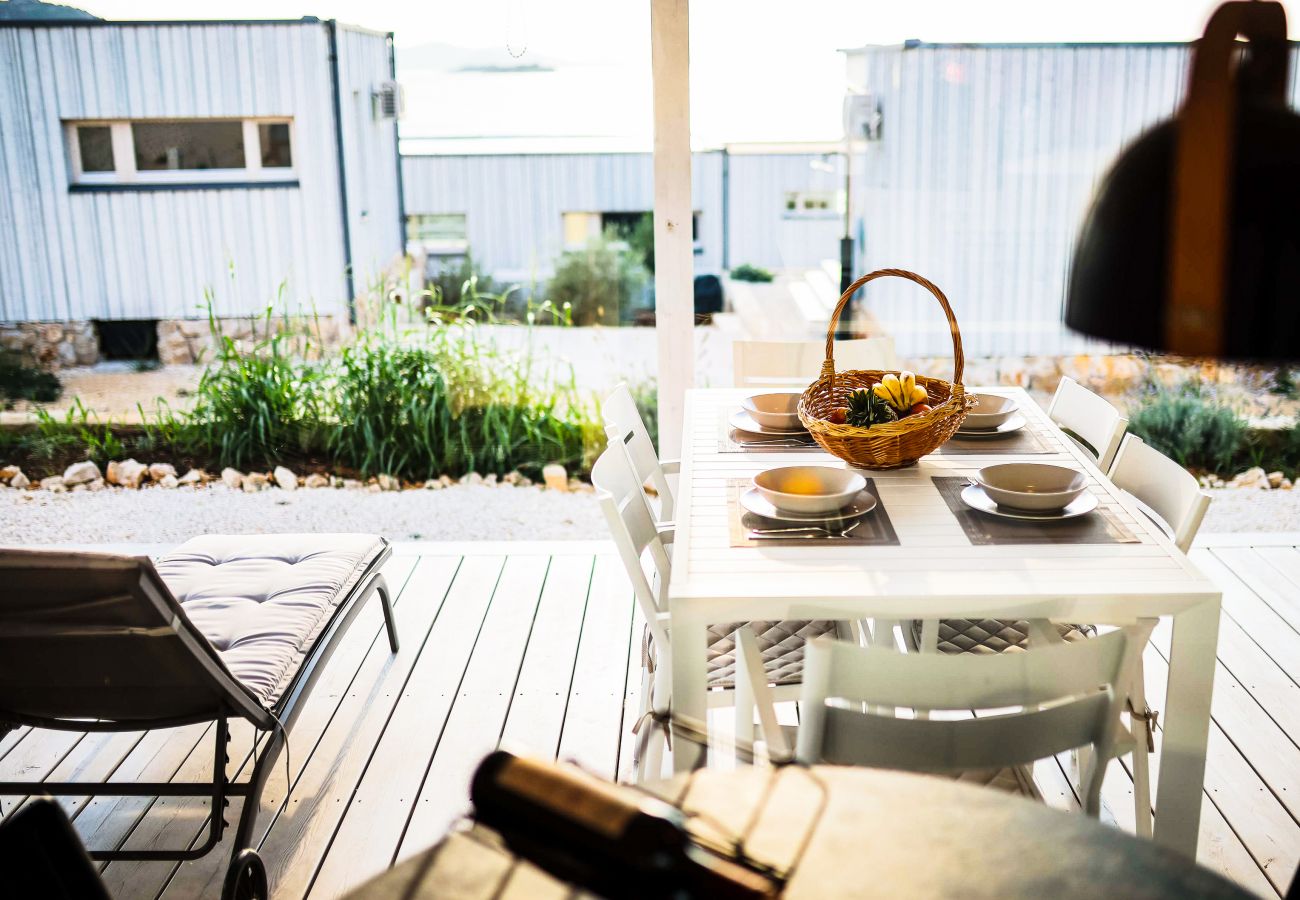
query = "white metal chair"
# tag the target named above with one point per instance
(642, 545)
(1060, 697)
(1097, 426)
(1163, 487)
(1171, 497)
(775, 363)
(620, 412)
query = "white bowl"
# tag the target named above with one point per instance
(809, 489)
(989, 411)
(779, 412)
(1032, 486)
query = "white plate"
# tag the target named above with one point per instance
(1015, 423)
(742, 421)
(756, 503)
(974, 497)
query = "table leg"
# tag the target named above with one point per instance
(690, 674)
(1186, 727)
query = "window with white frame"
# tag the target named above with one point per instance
(438, 232)
(180, 151)
(813, 204)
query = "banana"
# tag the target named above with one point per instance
(901, 391)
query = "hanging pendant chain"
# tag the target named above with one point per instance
(517, 16)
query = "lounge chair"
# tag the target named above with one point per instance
(223, 627)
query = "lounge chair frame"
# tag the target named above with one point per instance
(240, 702)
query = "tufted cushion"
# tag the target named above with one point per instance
(992, 635)
(781, 644)
(262, 600)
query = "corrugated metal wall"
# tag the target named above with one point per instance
(150, 254)
(763, 232)
(988, 160)
(369, 154)
(514, 203)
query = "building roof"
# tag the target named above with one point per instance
(37, 11)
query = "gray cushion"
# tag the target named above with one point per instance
(780, 643)
(993, 635)
(263, 599)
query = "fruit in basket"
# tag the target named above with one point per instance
(867, 408)
(838, 416)
(918, 408)
(901, 391)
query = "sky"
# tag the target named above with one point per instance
(761, 70)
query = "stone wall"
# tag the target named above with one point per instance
(51, 345)
(190, 341)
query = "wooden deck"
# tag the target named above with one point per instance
(536, 647)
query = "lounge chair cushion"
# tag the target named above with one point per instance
(262, 600)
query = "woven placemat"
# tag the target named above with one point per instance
(1024, 440)
(875, 528)
(1101, 526)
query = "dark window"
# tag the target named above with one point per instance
(133, 339)
(188, 145)
(96, 145)
(274, 138)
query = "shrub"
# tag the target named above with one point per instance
(746, 272)
(255, 405)
(597, 283)
(456, 285)
(19, 381)
(1186, 423)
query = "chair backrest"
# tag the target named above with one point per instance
(768, 363)
(99, 636)
(1163, 486)
(620, 412)
(1093, 419)
(1067, 695)
(634, 530)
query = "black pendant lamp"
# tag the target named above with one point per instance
(1192, 246)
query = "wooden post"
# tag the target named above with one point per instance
(674, 243)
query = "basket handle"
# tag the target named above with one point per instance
(958, 357)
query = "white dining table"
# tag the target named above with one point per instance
(936, 572)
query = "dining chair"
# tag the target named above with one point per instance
(1026, 707)
(1167, 494)
(642, 546)
(620, 412)
(1088, 419)
(1162, 487)
(773, 363)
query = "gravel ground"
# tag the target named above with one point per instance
(158, 516)
(1252, 510)
(458, 513)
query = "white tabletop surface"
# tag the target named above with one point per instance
(934, 558)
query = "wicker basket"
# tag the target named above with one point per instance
(892, 444)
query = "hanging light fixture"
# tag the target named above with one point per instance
(1192, 245)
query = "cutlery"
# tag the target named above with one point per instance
(805, 531)
(777, 442)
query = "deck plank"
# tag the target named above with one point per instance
(594, 718)
(536, 716)
(537, 648)
(453, 707)
(1262, 823)
(296, 840)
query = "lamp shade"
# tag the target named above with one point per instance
(1192, 245)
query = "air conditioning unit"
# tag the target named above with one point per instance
(388, 100)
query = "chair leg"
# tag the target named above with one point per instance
(743, 696)
(1143, 739)
(390, 622)
(253, 799)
